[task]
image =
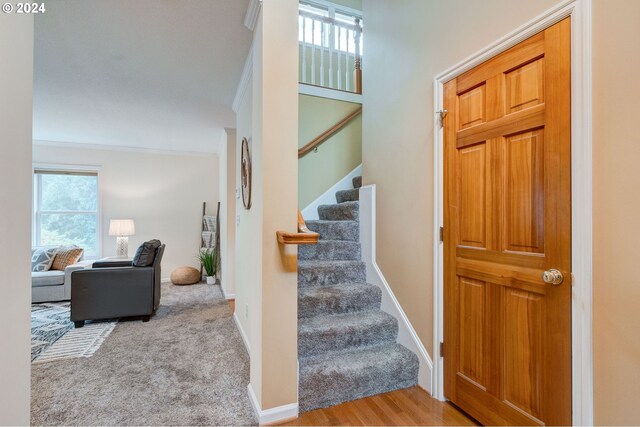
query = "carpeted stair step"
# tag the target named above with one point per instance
(347, 211)
(331, 250)
(352, 195)
(336, 230)
(338, 332)
(327, 273)
(343, 298)
(338, 377)
(357, 182)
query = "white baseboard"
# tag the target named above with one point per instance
(329, 196)
(407, 335)
(272, 415)
(245, 339)
(225, 295)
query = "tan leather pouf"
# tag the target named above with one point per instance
(185, 276)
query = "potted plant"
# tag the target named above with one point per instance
(207, 258)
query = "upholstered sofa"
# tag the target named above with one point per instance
(54, 285)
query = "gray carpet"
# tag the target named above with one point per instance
(346, 345)
(187, 366)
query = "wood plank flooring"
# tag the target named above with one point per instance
(232, 304)
(408, 407)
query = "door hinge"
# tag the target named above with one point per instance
(442, 114)
(441, 349)
(442, 234)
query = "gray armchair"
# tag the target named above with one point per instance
(113, 290)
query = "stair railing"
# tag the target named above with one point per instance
(304, 236)
(335, 57)
(311, 146)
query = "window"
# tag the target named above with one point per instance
(66, 209)
(326, 25)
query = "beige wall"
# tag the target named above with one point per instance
(337, 156)
(408, 43)
(267, 288)
(616, 204)
(163, 193)
(227, 271)
(398, 157)
(16, 88)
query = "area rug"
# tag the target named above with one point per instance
(53, 336)
(186, 366)
(49, 322)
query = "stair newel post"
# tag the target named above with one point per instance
(358, 59)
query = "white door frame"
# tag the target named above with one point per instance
(581, 188)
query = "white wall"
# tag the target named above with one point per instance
(163, 193)
(16, 89)
(228, 213)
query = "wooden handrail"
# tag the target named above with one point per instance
(328, 133)
(304, 236)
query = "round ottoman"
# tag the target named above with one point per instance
(185, 276)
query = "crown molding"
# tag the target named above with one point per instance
(245, 81)
(253, 10)
(90, 146)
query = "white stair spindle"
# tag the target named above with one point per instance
(304, 50)
(322, 49)
(332, 40)
(347, 72)
(313, 51)
(339, 58)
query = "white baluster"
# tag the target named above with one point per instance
(347, 73)
(339, 58)
(313, 51)
(322, 49)
(332, 40)
(304, 50)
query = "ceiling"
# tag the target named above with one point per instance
(156, 74)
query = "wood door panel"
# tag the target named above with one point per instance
(471, 105)
(524, 192)
(472, 318)
(523, 318)
(507, 212)
(472, 191)
(525, 86)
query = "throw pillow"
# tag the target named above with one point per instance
(66, 256)
(146, 253)
(42, 258)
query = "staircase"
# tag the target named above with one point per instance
(346, 344)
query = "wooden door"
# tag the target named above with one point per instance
(507, 332)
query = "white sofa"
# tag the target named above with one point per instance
(54, 285)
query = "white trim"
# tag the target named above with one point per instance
(126, 148)
(273, 415)
(329, 196)
(407, 335)
(324, 92)
(253, 11)
(225, 295)
(245, 339)
(245, 81)
(581, 201)
(336, 7)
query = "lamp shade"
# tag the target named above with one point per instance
(122, 227)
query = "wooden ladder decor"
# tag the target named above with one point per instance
(304, 236)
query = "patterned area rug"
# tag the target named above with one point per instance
(53, 336)
(49, 322)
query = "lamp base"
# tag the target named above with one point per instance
(122, 247)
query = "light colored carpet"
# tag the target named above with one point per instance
(187, 366)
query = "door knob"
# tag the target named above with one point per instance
(552, 276)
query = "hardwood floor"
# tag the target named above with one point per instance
(408, 407)
(232, 304)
